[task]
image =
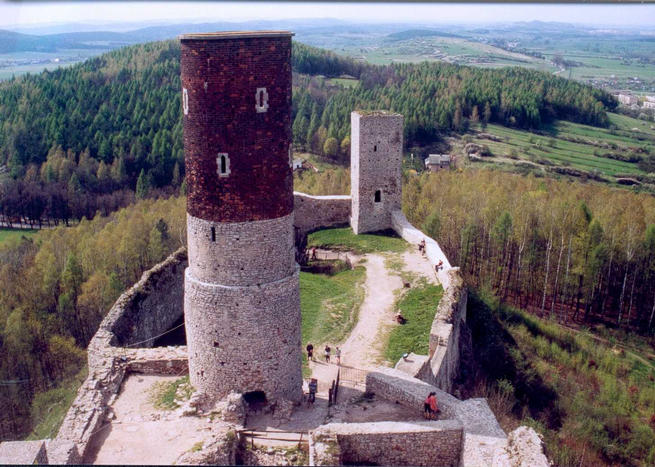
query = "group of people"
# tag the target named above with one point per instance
(327, 351)
(421, 248)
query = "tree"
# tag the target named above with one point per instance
(475, 114)
(331, 147)
(142, 185)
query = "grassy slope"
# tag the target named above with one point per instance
(329, 305)
(49, 408)
(594, 403)
(553, 146)
(418, 306)
(344, 239)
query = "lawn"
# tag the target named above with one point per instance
(330, 305)
(418, 306)
(345, 240)
(8, 235)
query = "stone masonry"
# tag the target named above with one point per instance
(375, 169)
(242, 300)
(420, 443)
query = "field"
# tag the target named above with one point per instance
(330, 305)
(8, 235)
(449, 49)
(569, 145)
(19, 63)
(418, 307)
(344, 239)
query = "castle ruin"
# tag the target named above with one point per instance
(241, 295)
(239, 286)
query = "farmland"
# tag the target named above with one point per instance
(608, 152)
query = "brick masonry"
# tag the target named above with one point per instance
(242, 299)
(375, 166)
(221, 74)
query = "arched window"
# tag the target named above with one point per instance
(378, 196)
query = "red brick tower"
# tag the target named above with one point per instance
(241, 305)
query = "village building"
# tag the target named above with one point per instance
(436, 162)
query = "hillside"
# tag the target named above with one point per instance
(98, 127)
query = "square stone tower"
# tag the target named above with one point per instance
(376, 152)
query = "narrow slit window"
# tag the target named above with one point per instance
(378, 196)
(375, 148)
(213, 234)
(223, 165)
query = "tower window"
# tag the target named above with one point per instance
(223, 164)
(378, 196)
(375, 148)
(213, 234)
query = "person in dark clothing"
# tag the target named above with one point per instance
(310, 352)
(327, 353)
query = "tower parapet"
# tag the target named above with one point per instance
(375, 169)
(242, 304)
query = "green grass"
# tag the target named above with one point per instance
(567, 144)
(418, 306)
(330, 305)
(163, 395)
(593, 402)
(8, 235)
(344, 239)
(49, 408)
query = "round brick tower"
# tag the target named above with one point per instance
(241, 301)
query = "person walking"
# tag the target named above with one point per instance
(337, 353)
(313, 386)
(327, 353)
(310, 351)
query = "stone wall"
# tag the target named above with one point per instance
(240, 253)
(376, 152)
(423, 443)
(314, 212)
(141, 313)
(147, 309)
(449, 323)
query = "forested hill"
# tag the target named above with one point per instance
(97, 127)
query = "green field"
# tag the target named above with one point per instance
(566, 144)
(8, 235)
(330, 305)
(345, 240)
(418, 306)
(449, 49)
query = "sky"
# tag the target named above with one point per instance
(31, 13)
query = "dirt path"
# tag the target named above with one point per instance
(418, 264)
(140, 433)
(363, 348)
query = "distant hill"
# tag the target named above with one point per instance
(414, 33)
